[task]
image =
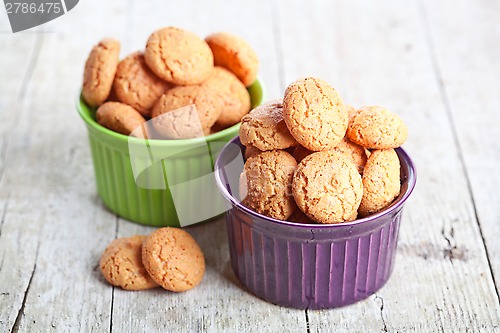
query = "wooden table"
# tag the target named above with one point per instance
(435, 63)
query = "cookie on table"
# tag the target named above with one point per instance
(265, 184)
(173, 259)
(234, 96)
(186, 112)
(265, 129)
(121, 118)
(99, 72)
(235, 54)
(314, 114)
(136, 85)
(327, 187)
(121, 264)
(179, 56)
(381, 181)
(375, 127)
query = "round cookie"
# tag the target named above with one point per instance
(121, 264)
(136, 85)
(353, 151)
(181, 111)
(327, 187)
(299, 153)
(235, 54)
(251, 151)
(381, 181)
(265, 129)
(99, 73)
(375, 127)
(298, 216)
(314, 114)
(173, 259)
(265, 184)
(121, 118)
(235, 97)
(179, 56)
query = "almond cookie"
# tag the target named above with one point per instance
(265, 129)
(179, 56)
(186, 112)
(375, 127)
(298, 216)
(99, 72)
(353, 151)
(173, 259)
(234, 96)
(265, 184)
(251, 151)
(121, 118)
(121, 264)
(381, 181)
(235, 54)
(327, 187)
(314, 114)
(136, 85)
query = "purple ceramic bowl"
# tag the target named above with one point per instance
(309, 266)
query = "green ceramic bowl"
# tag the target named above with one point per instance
(158, 182)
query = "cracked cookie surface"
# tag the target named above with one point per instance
(121, 264)
(173, 259)
(314, 113)
(99, 72)
(375, 127)
(136, 85)
(381, 181)
(235, 54)
(233, 94)
(121, 118)
(327, 187)
(265, 184)
(265, 129)
(175, 118)
(179, 56)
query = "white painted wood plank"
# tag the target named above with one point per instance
(54, 220)
(441, 279)
(469, 70)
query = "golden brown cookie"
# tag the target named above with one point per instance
(121, 264)
(353, 151)
(265, 129)
(381, 181)
(298, 216)
(327, 187)
(179, 56)
(235, 54)
(265, 184)
(186, 112)
(173, 259)
(314, 114)
(99, 72)
(377, 128)
(121, 118)
(251, 151)
(136, 85)
(299, 153)
(235, 97)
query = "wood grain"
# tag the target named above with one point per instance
(404, 55)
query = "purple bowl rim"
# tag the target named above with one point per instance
(411, 181)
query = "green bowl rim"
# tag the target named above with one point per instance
(163, 142)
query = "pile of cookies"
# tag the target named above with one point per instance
(188, 86)
(169, 257)
(312, 159)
